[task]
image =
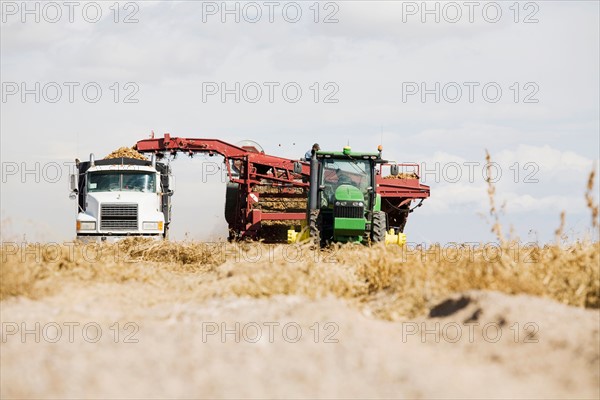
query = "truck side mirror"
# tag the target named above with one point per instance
(394, 169)
(73, 183)
(297, 167)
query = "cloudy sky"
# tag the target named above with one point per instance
(436, 84)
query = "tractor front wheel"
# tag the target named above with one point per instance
(379, 227)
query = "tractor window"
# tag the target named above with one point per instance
(347, 172)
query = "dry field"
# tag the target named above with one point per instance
(193, 320)
(149, 319)
(391, 283)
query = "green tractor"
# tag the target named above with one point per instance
(343, 204)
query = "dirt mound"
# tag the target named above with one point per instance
(126, 152)
(293, 347)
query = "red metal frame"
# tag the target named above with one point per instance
(401, 188)
(255, 161)
(257, 169)
(397, 195)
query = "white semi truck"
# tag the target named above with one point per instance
(121, 197)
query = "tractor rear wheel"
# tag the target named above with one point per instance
(314, 224)
(379, 227)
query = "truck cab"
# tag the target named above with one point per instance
(122, 197)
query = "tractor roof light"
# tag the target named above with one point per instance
(347, 150)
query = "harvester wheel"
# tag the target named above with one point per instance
(231, 202)
(379, 226)
(234, 236)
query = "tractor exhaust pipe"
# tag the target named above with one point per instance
(314, 182)
(153, 161)
(92, 160)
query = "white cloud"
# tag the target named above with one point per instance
(552, 163)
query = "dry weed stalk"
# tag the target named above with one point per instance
(496, 227)
(589, 198)
(558, 233)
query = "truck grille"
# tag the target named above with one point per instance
(119, 217)
(349, 212)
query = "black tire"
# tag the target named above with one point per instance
(396, 216)
(378, 227)
(231, 200)
(402, 217)
(314, 224)
(403, 223)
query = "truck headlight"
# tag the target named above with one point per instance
(86, 225)
(152, 226)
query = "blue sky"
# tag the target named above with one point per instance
(366, 67)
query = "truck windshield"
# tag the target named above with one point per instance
(111, 181)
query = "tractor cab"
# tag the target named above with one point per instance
(344, 180)
(343, 202)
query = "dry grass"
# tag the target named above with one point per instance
(391, 282)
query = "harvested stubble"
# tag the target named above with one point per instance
(389, 282)
(273, 200)
(272, 205)
(126, 152)
(403, 175)
(282, 223)
(279, 205)
(277, 189)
